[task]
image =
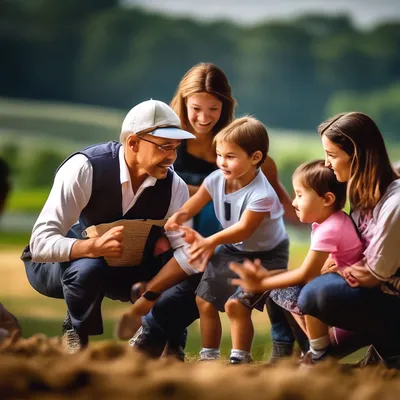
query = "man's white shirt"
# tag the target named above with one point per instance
(71, 193)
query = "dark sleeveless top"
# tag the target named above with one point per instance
(191, 169)
(105, 204)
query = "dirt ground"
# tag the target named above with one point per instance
(36, 368)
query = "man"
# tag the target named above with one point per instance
(104, 183)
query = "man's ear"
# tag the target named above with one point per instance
(132, 142)
(257, 157)
(329, 199)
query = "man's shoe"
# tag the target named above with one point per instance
(280, 350)
(371, 358)
(176, 351)
(73, 341)
(67, 324)
(141, 342)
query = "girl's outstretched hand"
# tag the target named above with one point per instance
(175, 221)
(201, 248)
(251, 275)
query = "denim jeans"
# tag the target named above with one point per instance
(365, 311)
(83, 283)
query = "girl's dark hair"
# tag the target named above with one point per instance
(316, 176)
(371, 171)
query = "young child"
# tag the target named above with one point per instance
(251, 216)
(319, 200)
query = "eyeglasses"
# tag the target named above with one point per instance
(163, 147)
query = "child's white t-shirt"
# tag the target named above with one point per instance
(258, 196)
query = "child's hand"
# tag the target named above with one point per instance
(329, 266)
(175, 221)
(201, 248)
(251, 276)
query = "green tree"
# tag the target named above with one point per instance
(40, 171)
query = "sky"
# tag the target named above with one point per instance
(365, 13)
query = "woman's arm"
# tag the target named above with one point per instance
(248, 274)
(271, 172)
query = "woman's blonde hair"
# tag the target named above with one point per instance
(248, 133)
(205, 78)
(371, 171)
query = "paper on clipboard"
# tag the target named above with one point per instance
(135, 235)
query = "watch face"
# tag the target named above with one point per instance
(151, 296)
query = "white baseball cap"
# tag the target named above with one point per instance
(155, 114)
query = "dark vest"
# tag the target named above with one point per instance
(105, 204)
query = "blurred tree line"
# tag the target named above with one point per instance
(288, 74)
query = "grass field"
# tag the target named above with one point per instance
(39, 314)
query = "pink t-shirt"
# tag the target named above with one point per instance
(338, 236)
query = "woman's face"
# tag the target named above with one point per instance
(336, 159)
(204, 111)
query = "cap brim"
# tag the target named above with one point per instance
(172, 133)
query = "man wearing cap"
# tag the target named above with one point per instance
(105, 183)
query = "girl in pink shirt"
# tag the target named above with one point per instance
(319, 201)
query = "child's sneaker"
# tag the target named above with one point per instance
(210, 355)
(310, 358)
(242, 358)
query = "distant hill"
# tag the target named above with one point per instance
(57, 123)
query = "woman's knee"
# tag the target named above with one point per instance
(318, 297)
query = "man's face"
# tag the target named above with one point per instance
(155, 155)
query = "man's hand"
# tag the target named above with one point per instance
(110, 244)
(359, 276)
(175, 221)
(251, 275)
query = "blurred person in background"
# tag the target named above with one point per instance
(205, 105)
(8, 323)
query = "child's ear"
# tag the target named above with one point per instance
(257, 157)
(329, 199)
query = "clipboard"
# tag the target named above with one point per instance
(135, 235)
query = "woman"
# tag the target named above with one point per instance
(364, 298)
(205, 105)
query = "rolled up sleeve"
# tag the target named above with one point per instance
(382, 256)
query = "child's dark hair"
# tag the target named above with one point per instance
(322, 180)
(248, 133)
